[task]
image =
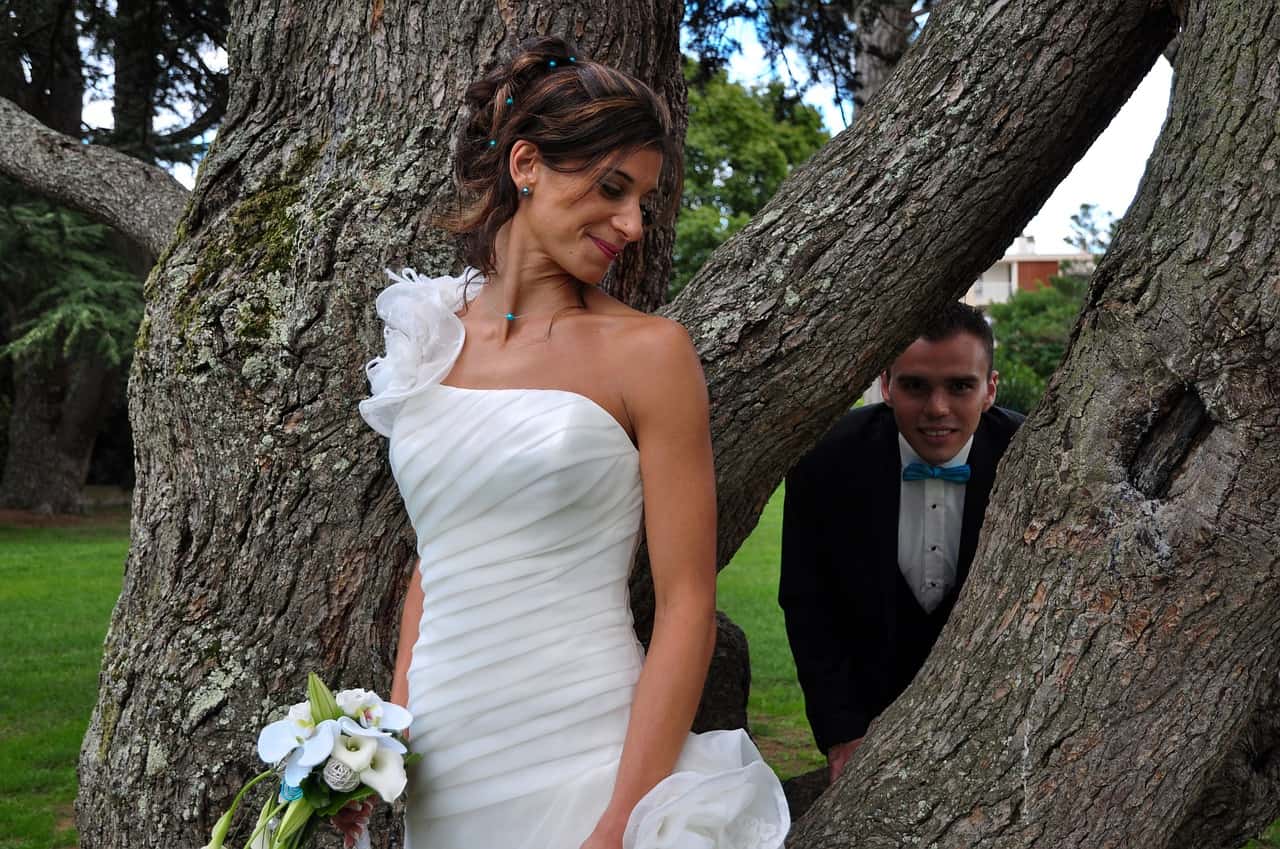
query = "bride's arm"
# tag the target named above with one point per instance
(409, 621)
(667, 402)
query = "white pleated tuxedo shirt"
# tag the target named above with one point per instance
(930, 516)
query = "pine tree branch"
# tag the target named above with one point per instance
(140, 200)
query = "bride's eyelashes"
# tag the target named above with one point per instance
(611, 191)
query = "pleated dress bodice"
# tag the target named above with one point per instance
(527, 505)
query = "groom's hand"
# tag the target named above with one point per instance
(838, 755)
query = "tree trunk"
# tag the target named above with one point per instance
(1111, 674)
(268, 537)
(884, 33)
(53, 425)
(138, 35)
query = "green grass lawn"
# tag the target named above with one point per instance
(57, 587)
(748, 591)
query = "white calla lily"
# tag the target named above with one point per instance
(384, 738)
(385, 774)
(356, 752)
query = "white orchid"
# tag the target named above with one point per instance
(300, 745)
(301, 714)
(367, 708)
(385, 774)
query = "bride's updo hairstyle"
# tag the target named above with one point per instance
(583, 117)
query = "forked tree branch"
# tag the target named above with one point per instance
(140, 200)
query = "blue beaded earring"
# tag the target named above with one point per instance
(525, 191)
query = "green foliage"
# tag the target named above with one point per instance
(1020, 387)
(824, 35)
(1032, 330)
(741, 144)
(67, 291)
(1269, 839)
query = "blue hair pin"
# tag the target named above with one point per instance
(510, 101)
(573, 59)
(493, 142)
(551, 64)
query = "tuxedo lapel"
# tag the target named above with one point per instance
(888, 470)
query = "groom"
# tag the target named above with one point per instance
(880, 523)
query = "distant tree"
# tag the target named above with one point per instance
(741, 144)
(70, 290)
(850, 45)
(83, 301)
(1092, 229)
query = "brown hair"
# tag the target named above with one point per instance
(581, 115)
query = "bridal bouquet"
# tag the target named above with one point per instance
(331, 753)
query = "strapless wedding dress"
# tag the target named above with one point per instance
(527, 506)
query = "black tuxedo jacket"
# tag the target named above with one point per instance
(856, 631)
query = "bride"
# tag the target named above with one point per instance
(534, 423)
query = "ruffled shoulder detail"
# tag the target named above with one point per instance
(423, 339)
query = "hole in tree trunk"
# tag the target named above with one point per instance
(1180, 426)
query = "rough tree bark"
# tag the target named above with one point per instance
(268, 538)
(1111, 674)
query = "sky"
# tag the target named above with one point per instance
(1108, 174)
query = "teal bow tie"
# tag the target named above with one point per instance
(920, 471)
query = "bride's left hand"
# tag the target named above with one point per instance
(605, 837)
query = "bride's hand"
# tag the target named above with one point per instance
(605, 836)
(353, 822)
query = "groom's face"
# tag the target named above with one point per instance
(938, 392)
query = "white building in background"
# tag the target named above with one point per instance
(1021, 269)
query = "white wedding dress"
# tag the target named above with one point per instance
(527, 507)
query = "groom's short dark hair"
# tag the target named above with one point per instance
(955, 318)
